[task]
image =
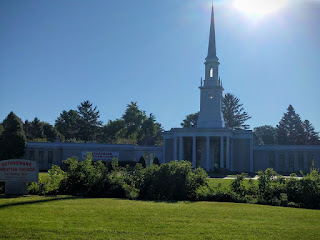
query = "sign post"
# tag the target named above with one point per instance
(16, 173)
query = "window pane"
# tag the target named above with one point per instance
(41, 157)
(281, 160)
(272, 162)
(50, 157)
(31, 155)
(291, 160)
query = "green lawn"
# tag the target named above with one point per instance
(85, 218)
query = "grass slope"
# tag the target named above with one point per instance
(85, 218)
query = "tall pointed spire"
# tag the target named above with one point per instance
(212, 38)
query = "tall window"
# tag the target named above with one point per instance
(41, 154)
(31, 155)
(291, 160)
(281, 160)
(211, 72)
(301, 160)
(272, 160)
(50, 157)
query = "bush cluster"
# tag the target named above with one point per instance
(176, 181)
(271, 189)
(170, 181)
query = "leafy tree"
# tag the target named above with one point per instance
(109, 131)
(67, 124)
(290, 130)
(266, 134)
(135, 128)
(133, 118)
(312, 136)
(191, 120)
(50, 132)
(13, 139)
(150, 133)
(233, 114)
(88, 123)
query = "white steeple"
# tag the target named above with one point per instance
(210, 115)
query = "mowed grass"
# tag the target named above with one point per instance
(87, 218)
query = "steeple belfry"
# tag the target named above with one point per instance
(210, 115)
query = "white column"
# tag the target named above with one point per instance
(251, 154)
(174, 149)
(194, 152)
(164, 151)
(180, 148)
(228, 153)
(208, 154)
(221, 152)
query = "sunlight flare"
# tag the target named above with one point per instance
(259, 8)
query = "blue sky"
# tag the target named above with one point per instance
(56, 54)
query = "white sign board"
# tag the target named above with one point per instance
(106, 156)
(18, 170)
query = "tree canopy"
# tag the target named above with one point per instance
(266, 135)
(12, 139)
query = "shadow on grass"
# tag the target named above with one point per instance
(45, 199)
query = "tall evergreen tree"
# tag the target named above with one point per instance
(89, 122)
(312, 137)
(290, 130)
(233, 112)
(26, 128)
(13, 139)
(36, 129)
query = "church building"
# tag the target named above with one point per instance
(210, 145)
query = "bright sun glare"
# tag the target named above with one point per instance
(260, 8)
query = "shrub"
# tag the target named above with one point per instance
(238, 186)
(171, 181)
(142, 162)
(271, 185)
(49, 185)
(156, 161)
